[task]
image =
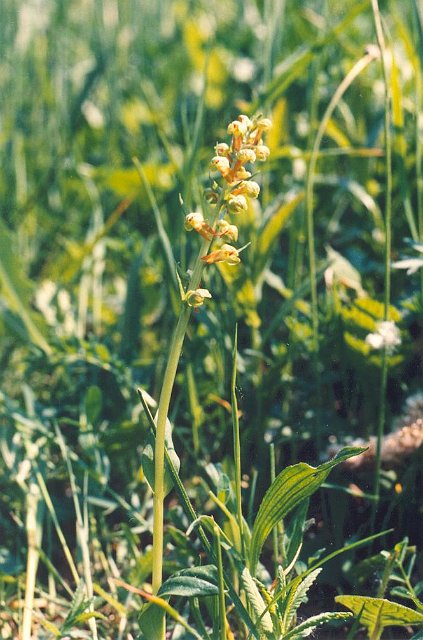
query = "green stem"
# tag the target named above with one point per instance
(387, 261)
(237, 445)
(410, 587)
(162, 413)
(221, 582)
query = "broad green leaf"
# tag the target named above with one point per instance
(378, 613)
(16, 289)
(93, 403)
(151, 617)
(150, 621)
(293, 485)
(361, 318)
(196, 581)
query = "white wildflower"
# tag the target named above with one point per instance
(243, 69)
(387, 336)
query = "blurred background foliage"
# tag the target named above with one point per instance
(89, 251)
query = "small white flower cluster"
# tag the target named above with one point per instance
(387, 336)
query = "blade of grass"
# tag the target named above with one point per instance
(81, 524)
(164, 238)
(359, 66)
(295, 65)
(33, 526)
(387, 252)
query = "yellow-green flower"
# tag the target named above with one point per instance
(195, 298)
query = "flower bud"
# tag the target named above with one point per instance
(193, 221)
(196, 221)
(240, 174)
(231, 254)
(195, 298)
(222, 149)
(246, 155)
(262, 152)
(248, 188)
(237, 129)
(237, 204)
(252, 189)
(221, 164)
(245, 120)
(264, 124)
(229, 231)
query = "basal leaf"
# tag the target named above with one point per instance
(196, 581)
(378, 613)
(293, 485)
(150, 621)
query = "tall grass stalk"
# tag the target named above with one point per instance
(58, 529)
(82, 526)
(33, 525)
(275, 530)
(419, 128)
(387, 251)
(221, 596)
(359, 66)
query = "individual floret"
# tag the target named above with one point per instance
(227, 253)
